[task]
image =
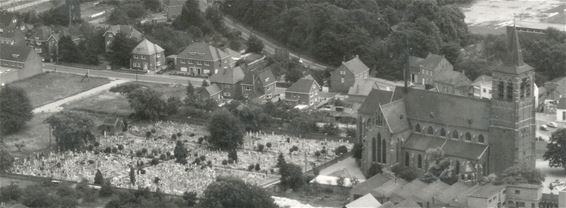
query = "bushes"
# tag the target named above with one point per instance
(260, 147)
(106, 189)
(374, 170)
(407, 173)
(98, 179)
(341, 150)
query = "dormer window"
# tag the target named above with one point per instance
(14, 55)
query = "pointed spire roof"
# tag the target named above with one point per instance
(514, 64)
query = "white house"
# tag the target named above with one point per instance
(561, 110)
(366, 201)
(482, 88)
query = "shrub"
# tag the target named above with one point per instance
(120, 147)
(341, 150)
(107, 150)
(114, 149)
(192, 135)
(162, 157)
(154, 161)
(96, 144)
(148, 134)
(340, 181)
(197, 161)
(174, 137)
(224, 162)
(251, 167)
(257, 168)
(139, 153)
(106, 189)
(202, 157)
(260, 147)
(407, 173)
(144, 151)
(200, 140)
(268, 145)
(179, 134)
(98, 179)
(209, 163)
(90, 147)
(375, 169)
(317, 153)
(233, 155)
(153, 131)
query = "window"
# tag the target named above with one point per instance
(443, 132)
(468, 136)
(383, 151)
(528, 88)
(379, 147)
(407, 159)
(563, 115)
(420, 161)
(373, 149)
(430, 130)
(342, 72)
(481, 139)
(455, 134)
(484, 90)
(182, 61)
(501, 90)
(342, 80)
(418, 128)
(509, 91)
(517, 192)
(457, 168)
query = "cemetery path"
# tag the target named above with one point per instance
(56, 106)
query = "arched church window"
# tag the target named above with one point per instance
(468, 136)
(455, 134)
(522, 88)
(383, 151)
(407, 159)
(509, 91)
(379, 148)
(481, 139)
(528, 87)
(373, 149)
(420, 161)
(430, 130)
(443, 132)
(501, 89)
(418, 128)
(457, 168)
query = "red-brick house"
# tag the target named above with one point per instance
(303, 92)
(347, 74)
(229, 80)
(260, 84)
(45, 41)
(423, 70)
(147, 56)
(210, 92)
(18, 62)
(128, 31)
(202, 60)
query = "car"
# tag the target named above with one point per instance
(544, 127)
(552, 125)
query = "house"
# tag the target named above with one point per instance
(147, 56)
(449, 196)
(15, 37)
(426, 196)
(127, 30)
(361, 89)
(523, 195)
(487, 196)
(347, 74)
(482, 87)
(210, 92)
(229, 80)
(367, 186)
(202, 60)
(45, 41)
(561, 110)
(478, 136)
(452, 82)
(111, 126)
(258, 84)
(173, 8)
(303, 92)
(422, 71)
(366, 201)
(18, 62)
(549, 201)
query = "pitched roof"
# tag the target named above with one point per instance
(355, 65)
(453, 78)
(362, 87)
(430, 62)
(127, 30)
(42, 32)
(385, 190)
(465, 150)
(203, 51)
(448, 195)
(407, 204)
(483, 79)
(265, 76)
(231, 75)
(366, 201)
(421, 142)
(431, 190)
(408, 191)
(561, 103)
(212, 89)
(370, 184)
(440, 108)
(515, 63)
(374, 99)
(486, 191)
(303, 85)
(396, 116)
(145, 47)
(14, 52)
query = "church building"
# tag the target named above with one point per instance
(478, 136)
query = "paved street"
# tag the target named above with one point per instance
(155, 78)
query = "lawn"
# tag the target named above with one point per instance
(49, 87)
(114, 103)
(316, 195)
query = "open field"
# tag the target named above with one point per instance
(114, 103)
(490, 16)
(48, 87)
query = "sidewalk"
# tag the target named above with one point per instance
(56, 106)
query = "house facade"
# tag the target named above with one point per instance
(211, 92)
(18, 62)
(45, 42)
(561, 110)
(482, 87)
(202, 60)
(478, 136)
(303, 92)
(127, 30)
(453, 82)
(147, 56)
(228, 81)
(259, 84)
(348, 74)
(422, 71)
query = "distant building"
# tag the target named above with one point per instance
(229, 81)
(127, 30)
(452, 82)
(482, 87)
(347, 74)
(561, 110)
(523, 195)
(202, 60)
(147, 56)
(210, 92)
(259, 84)
(18, 62)
(173, 8)
(303, 92)
(487, 196)
(366, 201)
(74, 10)
(422, 71)
(45, 41)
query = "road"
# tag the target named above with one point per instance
(155, 78)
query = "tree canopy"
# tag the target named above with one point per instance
(15, 109)
(520, 173)
(72, 130)
(556, 149)
(225, 130)
(254, 44)
(146, 103)
(121, 49)
(231, 192)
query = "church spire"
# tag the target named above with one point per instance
(516, 58)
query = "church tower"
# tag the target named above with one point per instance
(512, 120)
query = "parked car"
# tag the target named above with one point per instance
(552, 125)
(544, 127)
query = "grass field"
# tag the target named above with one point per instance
(317, 196)
(48, 87)
(113, 103)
